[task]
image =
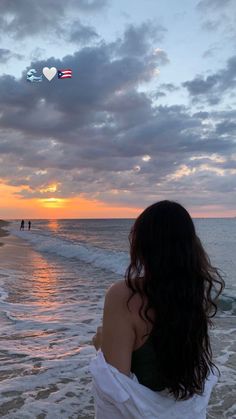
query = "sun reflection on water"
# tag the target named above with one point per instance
(53, 225)
(44, 284)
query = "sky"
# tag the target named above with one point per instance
(149, 113)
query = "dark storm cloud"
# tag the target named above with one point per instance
(29, 17)
(99, 136)
(213, 87)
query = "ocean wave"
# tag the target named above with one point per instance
(114, 261)
(227, 304)
(3, 294)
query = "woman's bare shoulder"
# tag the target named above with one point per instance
(119, 291)
(117, 297)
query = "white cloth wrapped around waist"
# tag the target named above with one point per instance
(117, 396)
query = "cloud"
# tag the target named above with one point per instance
(201, 115)
(210, 25)
(91, 135)
(158, 94)
(137, 39)
(6, 55)
(101, 164)
(211, 51)
(140, 41)
(220, 16)
(213, 87)
(215, 4)
(31, 17)
(82, 34)
(169, 87)
(228, 126)
(99, 73)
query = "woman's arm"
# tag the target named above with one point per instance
(97, 338)
(118, 333)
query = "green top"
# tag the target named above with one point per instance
(144, 366)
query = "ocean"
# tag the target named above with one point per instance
(52, 285)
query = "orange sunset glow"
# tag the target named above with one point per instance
(13, 206)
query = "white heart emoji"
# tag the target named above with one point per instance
(49, 73)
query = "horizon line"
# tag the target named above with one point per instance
(101, 218)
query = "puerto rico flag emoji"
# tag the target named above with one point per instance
(64, 74)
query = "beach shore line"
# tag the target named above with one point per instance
(38, 377)
(3, 233)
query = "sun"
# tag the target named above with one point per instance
(53, 202)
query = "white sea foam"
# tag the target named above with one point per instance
(113, 261)
(3, 294)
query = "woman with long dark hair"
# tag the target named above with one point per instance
(156, 322)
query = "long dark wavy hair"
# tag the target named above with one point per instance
(172, 270)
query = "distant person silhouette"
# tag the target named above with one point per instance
(22, 225)
(29, 223)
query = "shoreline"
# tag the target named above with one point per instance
(43, 374)
(3, 233)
